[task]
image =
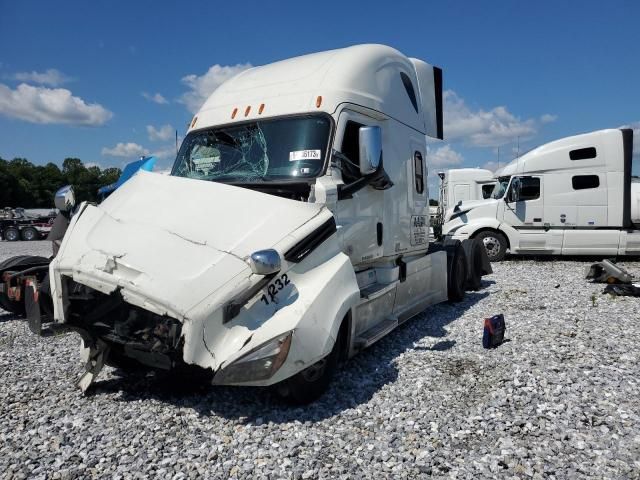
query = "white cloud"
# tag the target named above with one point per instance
(155, 98)
(485, 128)
(163, 133)
(50, 105)
(130, 150)
(548, 118)
(50, 77)
(493, 165)
(165, 152)
(443, 157)
(200, 87)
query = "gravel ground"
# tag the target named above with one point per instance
(560, 399)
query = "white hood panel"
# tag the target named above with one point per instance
(230, 219)
(170, 242)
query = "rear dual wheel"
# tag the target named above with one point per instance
(473, 251)
(457, 274)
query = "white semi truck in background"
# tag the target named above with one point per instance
(465, 184)
(308, 181)
(574, 196)
(460, 185)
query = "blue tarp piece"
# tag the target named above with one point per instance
(146, 164)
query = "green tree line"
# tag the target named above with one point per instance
(23, 184)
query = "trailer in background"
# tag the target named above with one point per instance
(16, 224)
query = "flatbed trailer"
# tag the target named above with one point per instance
(14, 227)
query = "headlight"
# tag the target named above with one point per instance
(260, 363)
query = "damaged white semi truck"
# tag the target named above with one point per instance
(292, 231)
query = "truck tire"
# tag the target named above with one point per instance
(309, 384)
(495, 243)
(457, 274)
(11, 234)
(28, 234)
(473, 251)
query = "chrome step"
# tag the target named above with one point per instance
(375, 333)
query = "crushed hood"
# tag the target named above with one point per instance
(170, 242)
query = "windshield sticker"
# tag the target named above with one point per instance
(304, 155)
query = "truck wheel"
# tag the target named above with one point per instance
(457, 280)
(29, 234)
(11, 234)
(473, 251)
(309, 384)
(495, 244)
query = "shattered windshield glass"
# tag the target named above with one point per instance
(268, 150)
(500, 187)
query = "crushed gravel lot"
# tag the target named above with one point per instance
(560, 399)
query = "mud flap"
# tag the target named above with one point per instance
(32, 307)
(97, 358)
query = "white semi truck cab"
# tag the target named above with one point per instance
(575, 196)
(459, 185)
(292, 231)
(465, 184)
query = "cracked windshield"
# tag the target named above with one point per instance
(267, 150)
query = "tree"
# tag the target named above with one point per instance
(23, 184)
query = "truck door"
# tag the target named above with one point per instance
(358, 217)
(523, 210)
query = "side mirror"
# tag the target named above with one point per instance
(265, 262)
(65, 199)
(370, 149)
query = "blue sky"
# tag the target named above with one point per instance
(107, 81)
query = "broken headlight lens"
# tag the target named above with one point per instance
(259, 364)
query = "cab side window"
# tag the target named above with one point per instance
(418, 169)
(487, 190)
(529, 189)
(583, 182)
